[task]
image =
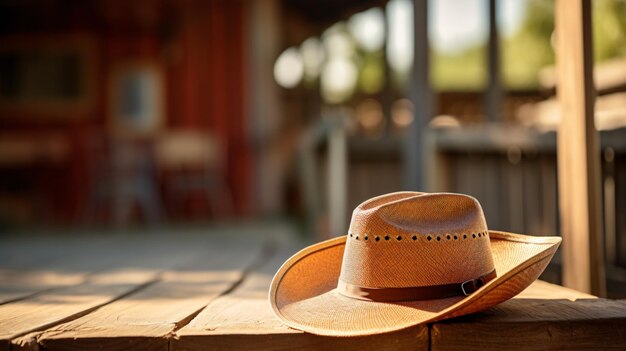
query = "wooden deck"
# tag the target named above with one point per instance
(207, 290)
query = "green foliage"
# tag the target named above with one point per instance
(527, 51)
(530, 49)
(609, 29)
(465, 71)
(371, 73)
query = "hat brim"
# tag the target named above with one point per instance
(303, 292)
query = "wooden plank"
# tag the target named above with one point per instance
(515, 195)
(544, 290)
(499, 138)
(48, 309)
(337, 195)
(243, 320)
(492, 138)
(548, 193)
(610, 220)
(72, 260)
(15, 286)
(491, 201)
(544, 316)
(620, 208)
(28, 265)
(438, 173)
(533, 206)
(578, 150)
(146, 319)
(537, 324)
(126, 263)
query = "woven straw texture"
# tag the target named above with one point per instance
(435, 239)
(303, 291)
(405, 239)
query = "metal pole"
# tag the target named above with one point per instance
(422, 97)
(337, 177)
(493, 97)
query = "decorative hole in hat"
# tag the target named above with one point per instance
(348, 287)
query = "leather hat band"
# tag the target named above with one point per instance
(430, 292)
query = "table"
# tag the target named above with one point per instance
(199, 289)
(29, 163)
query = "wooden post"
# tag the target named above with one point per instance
(421, 95)
(308, 176)
(578, 150)
(337, 176)
(264, 105)
(493, 97)
(387, 93)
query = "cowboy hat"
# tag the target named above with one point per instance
(409, 258)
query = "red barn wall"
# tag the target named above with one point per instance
(199, 44)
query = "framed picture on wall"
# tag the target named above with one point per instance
(47, 76)
(136, 98)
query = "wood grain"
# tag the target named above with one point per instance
(544, 290)
(537, 324)
(28, 266)
(146, 319)
(211, 293)
(243, 320)
(48, 309)
(578, 150)
(124, 264)
(43, 263)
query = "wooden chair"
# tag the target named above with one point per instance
(193, 162)
(122, 175)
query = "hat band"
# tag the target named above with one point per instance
(414, 293)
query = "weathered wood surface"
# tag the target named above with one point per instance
(544, 316)
(578, 151)
(50, 308)
(544, 290)
(243, 319)
(210, 292)
(537, 324)
(108, 268)
(132, 266)
(74, 276)
(28, 269)
(146, 319)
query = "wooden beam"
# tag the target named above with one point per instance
(337, 176)
(578, 150)
(265, 107)
(548, 322)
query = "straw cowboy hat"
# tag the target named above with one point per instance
(409, 258)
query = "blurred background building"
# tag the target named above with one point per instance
(157, 112)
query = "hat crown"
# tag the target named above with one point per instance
(409, 239)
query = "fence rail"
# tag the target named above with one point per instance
(512, 171)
